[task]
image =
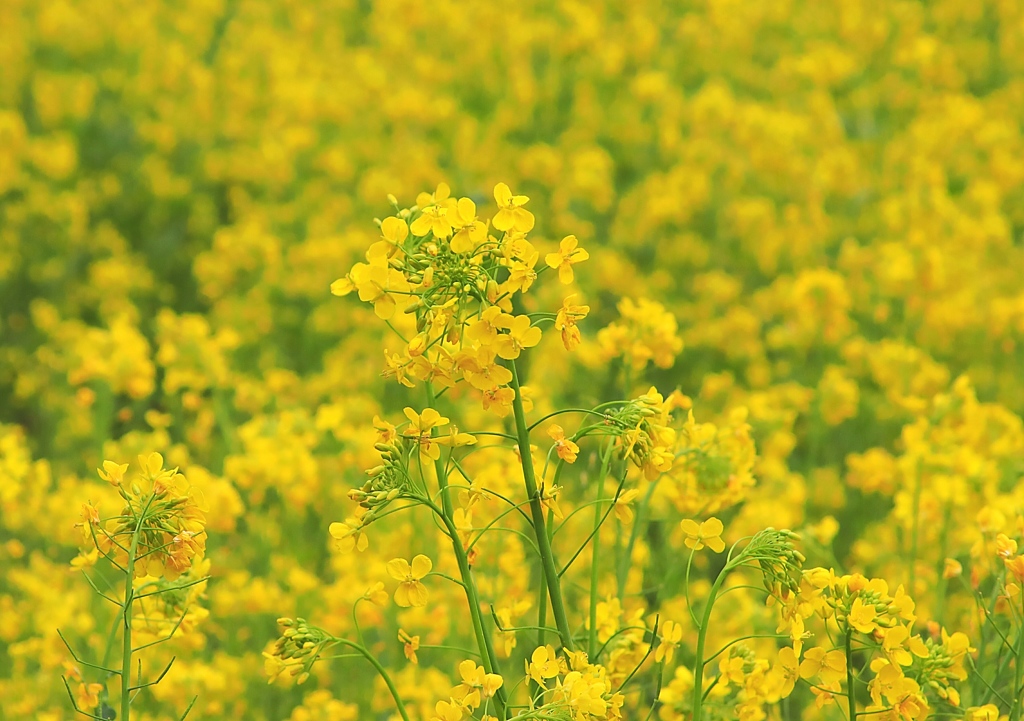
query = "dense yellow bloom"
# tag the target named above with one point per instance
(805, 216)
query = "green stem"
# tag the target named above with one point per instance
(851, 698)
(542, 610)
(446, 512)
(702, 632)
(383, 674)
(625, 559)
(537, 511)
(595, 550)
(1018, 676)
(126, 609)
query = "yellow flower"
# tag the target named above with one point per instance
(469, 232)
(623, 507)
(569, 253)
(1005, 546)
(393, 233)
(671, 635)
(829, 666)
(375, 281)
(951, 568)
(988, 712)
(564, 447)
(477, 685)
(1015, 566)
(511, 213)
(376, 594)
(448, 711)
(549, 499)
(543, 664)
(732, 668)
(410, 591)
(520, 335)
(113, 473)
(420, 428)
(85, 560)
(892, 645)
(788, 665)
(565, 321)
(862, 616)
(437, 217)
(410, 645)
(349, 534)
(87, 695)
(707, 534)
(484, 330)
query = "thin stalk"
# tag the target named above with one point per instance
(625, 559)
(1018, 676)
(383, 674)
(537, 511)
(542, 619)
(851, 698)
(126, 640)
(702, 633)
(446, 512)
(596, 551)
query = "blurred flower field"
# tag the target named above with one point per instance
(569, 360)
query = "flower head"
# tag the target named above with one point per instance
(707, 534)
(569, 253)
(511, 213)
(410, 591)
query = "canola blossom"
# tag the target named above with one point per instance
(474, 362)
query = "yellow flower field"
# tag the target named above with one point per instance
(549, 360)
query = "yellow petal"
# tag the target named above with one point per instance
(690, 527)
(421, 566)
(402, 595)
(502, 195)
(394, 229)
(398, 569)
(711, 527)
(417, 594)
(466, 210)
